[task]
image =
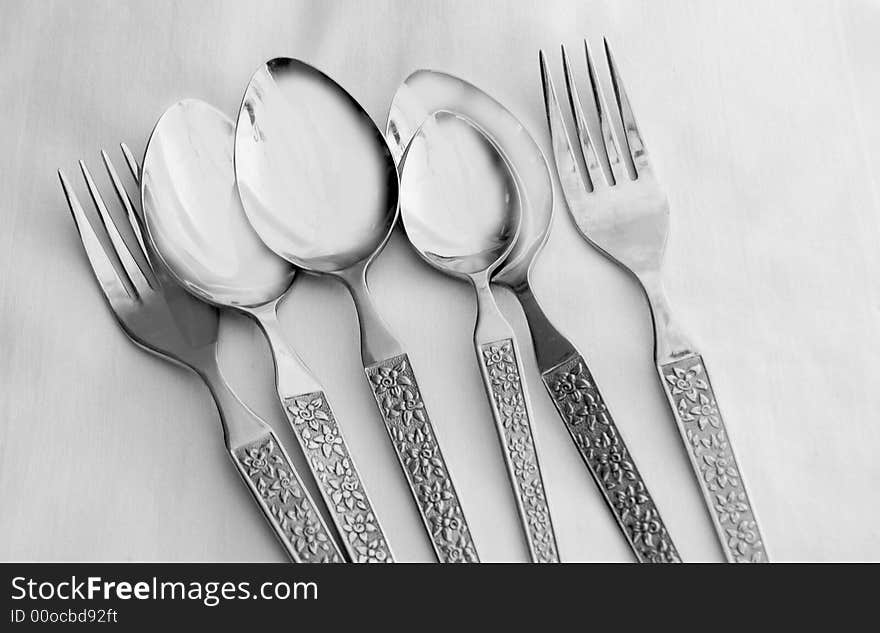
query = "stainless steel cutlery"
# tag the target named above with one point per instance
(320, 188)
(461, 209)
(229, 211)
(200, 232)
(162, 318)
(627, 219)
(565, 373)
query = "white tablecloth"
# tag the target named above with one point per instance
(760, 117)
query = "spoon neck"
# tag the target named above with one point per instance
(292, 376)
(482, 283)
(377, 342)
(491, 325)
(266, 315)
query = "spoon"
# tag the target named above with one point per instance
(461, 211)
(564, 371)
(195, 220)
(319, 186)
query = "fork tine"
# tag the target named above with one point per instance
(588, 149)
(127, 203)
(566, 165)
(111, 284)
(633, 137)
(612, 149)
(162, 276)
(132, 270)
(131, 162)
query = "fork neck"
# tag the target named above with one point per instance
(551, 347)
(670, 343)
(240, 424)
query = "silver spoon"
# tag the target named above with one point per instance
(319, 186)
(461, 211)
(194, 218)
(565, 373)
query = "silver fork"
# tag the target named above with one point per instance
(161, 317)
(628, 221)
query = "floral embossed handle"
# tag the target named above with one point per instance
(690, 395)
(582, 409)
(502, 374)
(338, 480)
(272, 479)
(323, 445)
(412, 434)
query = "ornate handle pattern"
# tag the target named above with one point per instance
(581, 407)
(340, 484)
(270, 475)
(702, 428)
(412, 434)
(502, 373)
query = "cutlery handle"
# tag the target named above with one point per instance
(415, 442)
(267, 470)
(702, 429)
(338, 479)
(324, 447)
(582, 409)
(501, 370)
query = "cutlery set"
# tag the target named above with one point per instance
(303, 181)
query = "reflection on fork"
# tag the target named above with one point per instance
(161, 317)
(627, 219)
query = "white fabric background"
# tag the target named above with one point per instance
(760, 117)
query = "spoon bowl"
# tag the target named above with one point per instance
(316, 178)
(462, 216)
(427, 91)
(194, 215)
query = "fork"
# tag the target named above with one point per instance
(161, 317)
(628, 221)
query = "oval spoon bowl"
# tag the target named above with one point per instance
(427, 91)
(194, 215)
(459, 199)
(316, 178)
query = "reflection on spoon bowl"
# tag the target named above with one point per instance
(459, 200)
(316, 178)
(194, 215)
(427, 91)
